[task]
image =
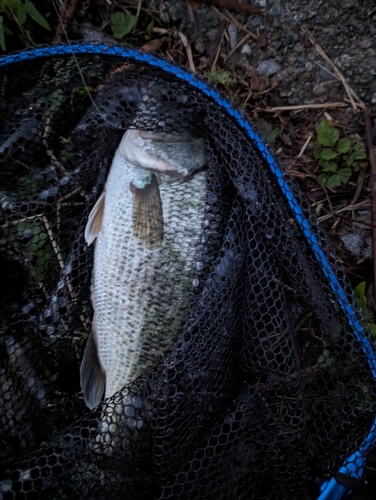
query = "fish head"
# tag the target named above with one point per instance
(178, 155)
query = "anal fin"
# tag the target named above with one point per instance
(92, 375)
(94, 223)
(147, 214)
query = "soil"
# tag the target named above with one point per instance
(267, 60)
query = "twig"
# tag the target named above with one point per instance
(309, 106)
(161, 31)
(54, 161)
(59, 256)
(24, 219)
(354, 221)
(237, 46)
(231, 19)
(372, 160)
(139, 8)
(188, 49)
(359, 184)
(218, 51)
(59, 205)
(358, 206)
(326, 69)
(310, 135)
(54, 244)
(349, 91)
(66, 12)
(234, 5)
(360, 104)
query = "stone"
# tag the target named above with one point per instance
(233, 35)
(359, 240)
(200, 45)
(276, 10)
(268, 67)
(256, 21)
(298, 48)
(246, 49)
(325, 75)
(320, 88)
(366, 43)
(289, 40)
(357, 25)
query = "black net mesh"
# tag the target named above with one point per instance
(265, 386)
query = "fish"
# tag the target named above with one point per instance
(147, 225)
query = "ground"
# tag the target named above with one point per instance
(289, 65)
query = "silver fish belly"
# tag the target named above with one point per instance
(148, 226)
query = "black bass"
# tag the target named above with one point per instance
(148, 223)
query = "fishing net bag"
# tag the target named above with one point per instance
(271, 381)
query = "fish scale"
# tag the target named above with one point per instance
(140, 296)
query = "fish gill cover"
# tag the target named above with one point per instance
(253, 374)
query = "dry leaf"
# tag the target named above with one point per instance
(153, 45)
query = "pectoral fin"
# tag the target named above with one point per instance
(147, 215)
(94, 223)
(92, 375)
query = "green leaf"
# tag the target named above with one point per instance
(19, 13)
(334, 181)
(358, 145)
(328, 154)
(325, 360)
(122, 24)
(368, 315)
(343, 145)
(7, 31)
(359, 152)
(330, 167)
(318, 208)
(326, 135)
(317, 153)
(149, 28)
(271, 137)
(372, 327)
(31, 10)
(268, 132)
(2, 38)
(323, 178)
(220, 76)
(349, 161)
(344, 174)
(355, 166)
(360, 293)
